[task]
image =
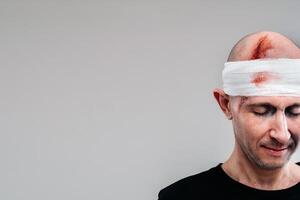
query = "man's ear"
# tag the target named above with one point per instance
(223, 101)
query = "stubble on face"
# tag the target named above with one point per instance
(255, 158)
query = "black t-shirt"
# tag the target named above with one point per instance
(216, 184)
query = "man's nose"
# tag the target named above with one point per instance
(280, 130)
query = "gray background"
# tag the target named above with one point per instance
(113, 99)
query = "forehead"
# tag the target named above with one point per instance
(278, 101)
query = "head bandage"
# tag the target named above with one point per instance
(263, 77)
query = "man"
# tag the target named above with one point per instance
(261, 95)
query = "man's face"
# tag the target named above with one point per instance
(267, 129)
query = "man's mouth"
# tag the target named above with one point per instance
(276, 149)
(276, 152)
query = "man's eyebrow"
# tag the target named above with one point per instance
(295, 105)
(269, 105)
(250, 105)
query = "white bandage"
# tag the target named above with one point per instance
(262, 77)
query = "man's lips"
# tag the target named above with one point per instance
(276, 152)
(276, 149)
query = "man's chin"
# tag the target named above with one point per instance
(271, 165)
(268, 161)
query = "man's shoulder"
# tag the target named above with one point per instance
(191, 184)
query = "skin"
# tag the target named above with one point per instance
(266, 129)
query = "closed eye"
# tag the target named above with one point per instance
(293, 111)
(263, 110)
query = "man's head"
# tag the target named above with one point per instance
(261, 45)
(267, 128)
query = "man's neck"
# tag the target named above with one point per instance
(266, 179)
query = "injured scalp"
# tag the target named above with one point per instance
(264, 45)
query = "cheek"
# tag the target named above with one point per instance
(294, 126)
(251, 128)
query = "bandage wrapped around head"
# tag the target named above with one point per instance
(262, 77)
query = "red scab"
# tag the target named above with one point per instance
(260, 78)
(242, 101)
(263, 44)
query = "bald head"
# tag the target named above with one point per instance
(261, 45)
